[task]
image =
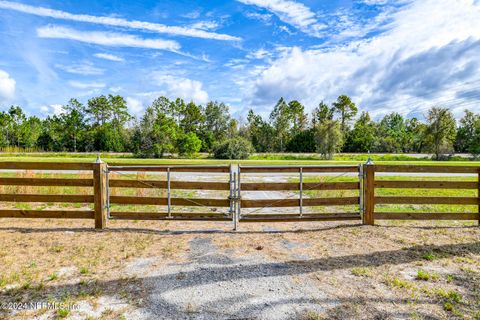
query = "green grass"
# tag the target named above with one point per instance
(255, 159)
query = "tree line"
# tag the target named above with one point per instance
(174, 126)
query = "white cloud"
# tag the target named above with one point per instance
(7, 86)
(135, 106)
(291, 12)
(86, 85)
(106, 38)
(426, 55)
(82, 69)
(184, 88)
(55, 109)
(117, 22)
(108, 56)
(258, 54)
(264, 17)
(205, 25)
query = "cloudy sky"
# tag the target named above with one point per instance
(403, 56)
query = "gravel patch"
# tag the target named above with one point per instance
(214, 286)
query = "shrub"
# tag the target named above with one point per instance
(189, 144)
(235, 148)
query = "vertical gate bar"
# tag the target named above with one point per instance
(362, 195)
(239, 195)
(231, 190)
(301, 192)
(478, 195)
(168, 193)
(107, 173)
(233, 202)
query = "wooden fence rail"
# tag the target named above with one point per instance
(367, 192)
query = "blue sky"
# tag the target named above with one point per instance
(402, 56)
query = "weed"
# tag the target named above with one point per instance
(56, 249)
(53, 276)
(62, 313)
(83, 270)
(447, 306)
(429, 256)
(362, 272)
(425, 276)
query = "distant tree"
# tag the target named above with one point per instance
(466, 131)
(73, 124)
(232, 128)
(392, 134)
(304, 141)
(329, 138)
(99, 110)
(346, 109)
(236, 148)
(321, 113)
(216, 126)
(5, 129)
(30, 131)
(298, 118)
(363, 136)
(189, 144)
(280, 120)
(441, 131)
(192, 118)
(259, 132)
(155, 135)
(17, 117)
(416, 135)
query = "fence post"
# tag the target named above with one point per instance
(369, 194)
(100, 193)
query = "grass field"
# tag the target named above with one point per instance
(266, 159)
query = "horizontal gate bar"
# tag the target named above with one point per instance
(124, 183)
(272, 186)
(194, 202)
(427, 215)
(259, 169)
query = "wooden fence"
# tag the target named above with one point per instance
(232, 187)
(372, 200)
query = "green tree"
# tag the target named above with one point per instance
(259, 132)
(217, 118)
(73, 124)
(236, 148)
(192, 118)
(321, 113)
(298, 118)
(329, 138)
(346, 109)
(466, 131)
(392, 134)
(155, 135)
(280, 120)
(441, 131)
(189, 144)
(363, 136)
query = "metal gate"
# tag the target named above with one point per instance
(237, 194)
(299, 193)
(179, 192)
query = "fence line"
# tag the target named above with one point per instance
(237, 207)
